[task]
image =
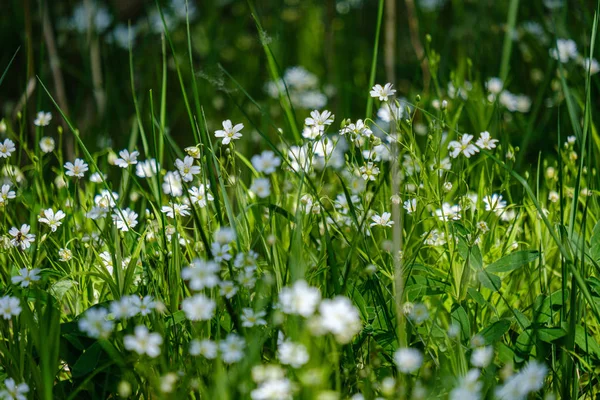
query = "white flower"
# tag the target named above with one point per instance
(224, 235)
(21, 237)
(144, 342)
(261, 187)
(199, 195)
(125, 219)
(77, 169)
(42, 118)
(47, 144)
(567, 50)
(251, 318)
(179, 210)
(469, 387)
(232, 348)
(494, 202)
(266, 162)
(97, 177)
(7, 148)
(299, 299)
(9, 307)
(52, 219)
(529, 379)
(6, 194)
(449, 212)
(494, 85)
(382, 92)
(464, 146)
(229, 132)
(172, 184)
(293, 354)
(95, 324)
(369, 171)
(26, 277)
(339, 317)
(12, 391)
(410, 206)
(482, 356)
(382, 220)
(485, 141)
(187, 169)
(65, 255)
(408, 360)
(146, 169)
(206, 348)
(419, 313)
(274, 389)
(198, 307)
(220, 251)
(591, 65)
(127, 158)
(142, 306)
(201, 274)
(319, 120)
(123, 308)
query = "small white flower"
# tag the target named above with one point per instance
(482, 356)
(47, 144)
(21, 236)
(369, 171)
(26, 277)
(52, 219)
(201, 274)
(319, 120)
(172, 184)
(252, 318)
(229, 132)
(6, 194)
(408, 360)
(42, 118)
(76, 169)
(299, 299)
(126, 159)
(179, 210)
(494, 203)
(125, 219)
(382, 92)
(199, 195)
(144, 342)
(232, 348)
(382, 220)
(12, 391)
(293, 354)
(7, 148)
(410, 206)
(95, 324)
(261, 187)
(339, 317)
(206, 348)
(146, 169)
(266, 162)
(198, 308)
(220, 252)
(485, 141)
(10, 307)
(464, 146)
(187, 169)
(97, 177)
(65, 255)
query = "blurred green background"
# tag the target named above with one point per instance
(332, 39)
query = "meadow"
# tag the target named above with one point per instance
(341, 199)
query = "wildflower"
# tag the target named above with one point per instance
(494, 202)
(339, 317)
(220, 251)
(553, 196)
(299, 299)
(369, 171)
(274, 389)
(179, 210)
(232, 348)
(193, 151)
(419, 313)
(566, 49)
(293, 354)
(410, 206)
(319, 120)
(172, 184)
(65, 255)
(357, 131)
(123, 308)
(187, 169)
(469, 387)
(464, 146)
(201, 274)
(482, 356)
(47, 144)
(408, 360)
(127, 158)
(382, 92)
(144, 342)
(266, 162)
(494, 85)
(7, 148)
(12, 391)
(206, 348)
(10, 307)
(382, 220)
(42, 118)
(6, 194)
(448, 212)
(251, 318)
(95, 324)
(146, 169)
(261, 187)
(590, 65)
(21, 237)
(199, 195)
(485, 141)
(227, 289)
(224, 235)
(198, 308)
(26, 277)
(483, 226)
(76, 169)
(530, 379)
(125, 219)
(97, 177)
(229, 132)
(52, 219)
(142, 306)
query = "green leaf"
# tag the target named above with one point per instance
(595, 243)
(460, 317)
(494, 332)
(60, 288)
(475, 295)
(88, 361)
(513, 261)
(585, 341)
(489, 280)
